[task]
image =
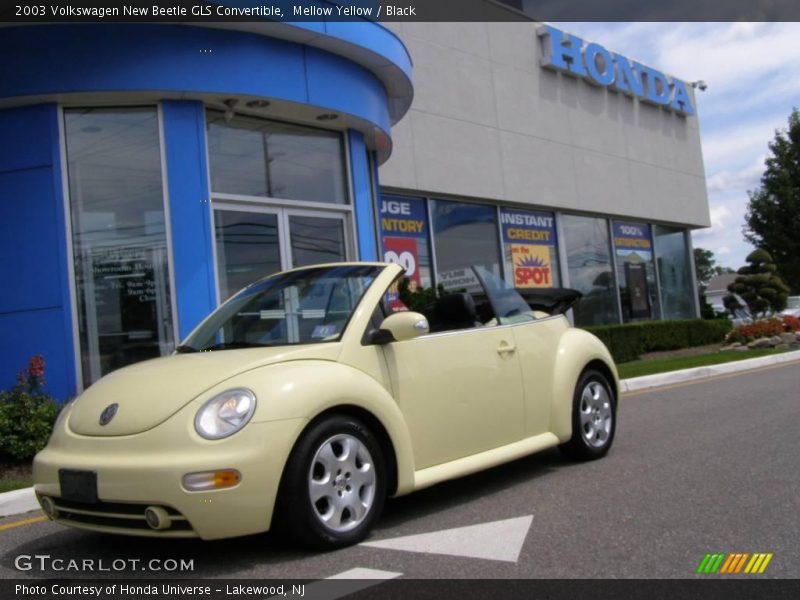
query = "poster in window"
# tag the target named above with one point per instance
(529, 239)
(404, 236)
(638, 291)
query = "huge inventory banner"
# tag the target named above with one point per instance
(530, 236)
(404, 233)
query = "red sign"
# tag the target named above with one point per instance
(404, 252)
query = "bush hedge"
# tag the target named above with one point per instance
(27, 415)
(628, 342)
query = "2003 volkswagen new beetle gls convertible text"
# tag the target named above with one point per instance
(310, 396)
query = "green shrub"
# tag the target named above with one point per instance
(628, 342)
(27, 415)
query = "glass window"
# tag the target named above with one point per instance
(404, 237)
(530, 249)
(636, 273)
(247, 248)
(589, 263)
(255, 157)
(464, 235)
(316, 240)
(677, 287)
(119, 237)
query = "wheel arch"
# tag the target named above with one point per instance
(605, 370)
(375, 426)
(578, 351)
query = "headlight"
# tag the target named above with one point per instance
(225, 413)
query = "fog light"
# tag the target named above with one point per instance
(48, 506)
(211, 480)
(157, 518)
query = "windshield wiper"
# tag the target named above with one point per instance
(233, 346)
(184, 349)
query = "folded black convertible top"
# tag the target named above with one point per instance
(551, 300)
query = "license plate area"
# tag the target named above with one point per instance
(78, 486)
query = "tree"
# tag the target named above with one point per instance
(759, 285)
(773, 213)
(706, 267)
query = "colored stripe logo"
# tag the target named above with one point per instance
(734, 563)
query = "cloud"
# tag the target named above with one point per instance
(719, 214)
(740, 179)
(738, 144)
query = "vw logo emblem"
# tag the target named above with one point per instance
(108, 413)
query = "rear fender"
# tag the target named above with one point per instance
(576, 350)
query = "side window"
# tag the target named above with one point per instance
(506, 302)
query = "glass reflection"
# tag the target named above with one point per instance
(464, 235)
(247, 248)
(119, 237)
(590, 269)
(677, 287)
(256, 157)
(316, 240)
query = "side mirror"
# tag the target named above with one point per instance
(400, 327)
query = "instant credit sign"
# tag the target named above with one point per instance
(531, 237)
(404, 227)
(632, 236)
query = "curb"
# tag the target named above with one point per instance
(18, 502)
(647, 382)
(21, 501)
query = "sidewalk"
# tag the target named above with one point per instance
(21, 501)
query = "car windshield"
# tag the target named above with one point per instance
(306, 306)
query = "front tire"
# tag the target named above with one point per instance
(594, 417)
(334, 485)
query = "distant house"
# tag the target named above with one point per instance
(718, 289)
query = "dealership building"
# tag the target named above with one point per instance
(148, 171)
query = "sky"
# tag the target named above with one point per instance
(753, 79)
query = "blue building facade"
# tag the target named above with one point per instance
(149, 171)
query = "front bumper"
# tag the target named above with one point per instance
(146, 469)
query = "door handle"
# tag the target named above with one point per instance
(506, 348)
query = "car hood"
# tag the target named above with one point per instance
(150, 392)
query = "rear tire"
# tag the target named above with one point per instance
(334, 485)
(594, 417)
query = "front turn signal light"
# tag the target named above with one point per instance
(211, 480)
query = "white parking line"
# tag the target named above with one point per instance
(497, 540)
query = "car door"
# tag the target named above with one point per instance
(460, 391)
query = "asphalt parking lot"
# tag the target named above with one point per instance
(696, 468)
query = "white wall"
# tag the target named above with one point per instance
(487, 122)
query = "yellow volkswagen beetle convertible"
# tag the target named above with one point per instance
(310, 396)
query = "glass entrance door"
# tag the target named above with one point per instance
(316, 239)
(255, 241)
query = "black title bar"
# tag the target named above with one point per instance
(177, 11)
(400, 589)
